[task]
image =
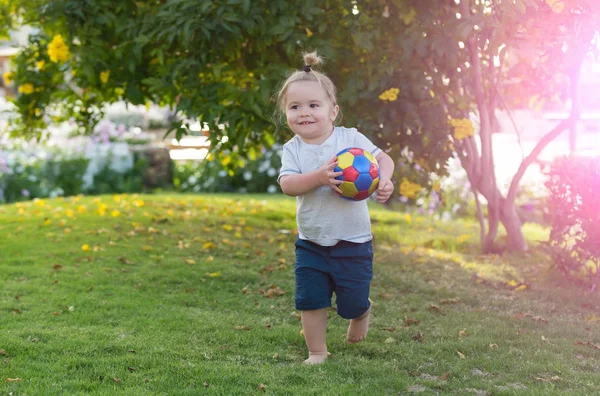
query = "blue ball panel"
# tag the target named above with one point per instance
(363, 182)
(338, 169)
(362, 164)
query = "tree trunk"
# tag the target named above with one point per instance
(515, 239)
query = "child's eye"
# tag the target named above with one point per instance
(294, 107)
(313, 105)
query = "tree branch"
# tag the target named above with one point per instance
(579, 53)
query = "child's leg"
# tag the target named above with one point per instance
(354, 271)
(358, 328)
(314, 324)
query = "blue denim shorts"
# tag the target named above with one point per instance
(345, 268)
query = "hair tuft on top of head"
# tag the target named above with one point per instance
(312, 59)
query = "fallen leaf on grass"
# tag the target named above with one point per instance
(206, 384)
(241, 327)
(56, 267)
(463, 333)
(555, 378)
(262, 387)
(435, 308)
(2, 352)
(272, 291)
(389, 340)
(14, 380)
(125, 260)
(296, 315)
(588, 343)
(190, 261)
(389, 329)
(213, 274)
(411, 321)
(522, 315)
(385, 296)
(418, 337)
(493, 346)
(462, 355)
(444, 377)
(117, 380)
(455, 300)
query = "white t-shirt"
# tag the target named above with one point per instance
(322, 216)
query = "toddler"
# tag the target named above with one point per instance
(334, 251)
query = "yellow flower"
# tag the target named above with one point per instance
(409, 189)
(308, 32)
(390, 95)
(436, 186)
(462, 128)
(8, 78)
(40, 65)
(26, 89)
(86, 248)
(104, 76)
(557, 5)
(58, 50)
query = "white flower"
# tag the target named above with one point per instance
(192, 179)
(271, 189)
(222, 173)
(271, 172)
(247, 175)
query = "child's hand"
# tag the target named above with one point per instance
(384, 190)
(327, 176)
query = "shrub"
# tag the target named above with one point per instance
(256, 176)
(573, 211)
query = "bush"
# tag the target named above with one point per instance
(52, 175)
(574, 186)
(257, 176)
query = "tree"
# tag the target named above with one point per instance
(411, 72)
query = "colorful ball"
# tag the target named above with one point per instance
(361, 173)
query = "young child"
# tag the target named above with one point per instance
(334, 251)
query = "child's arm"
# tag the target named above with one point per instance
(386, 171)
(300, 184)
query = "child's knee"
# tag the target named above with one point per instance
(353, 309)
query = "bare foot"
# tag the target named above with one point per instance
(316, 358)
(358, 328)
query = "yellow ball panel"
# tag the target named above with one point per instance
(345, 160)
(374, 185)
(348, 189)
(370, 157)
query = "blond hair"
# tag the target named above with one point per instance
(308, 74)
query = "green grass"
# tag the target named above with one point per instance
(179, 296)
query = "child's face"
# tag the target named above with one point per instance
(309, 112)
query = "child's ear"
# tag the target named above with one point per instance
(334, 112)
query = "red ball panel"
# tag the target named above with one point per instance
(356, 151)
(361, 195)
(350, 174)
(374, 171)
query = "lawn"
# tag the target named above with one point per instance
(188, 294)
